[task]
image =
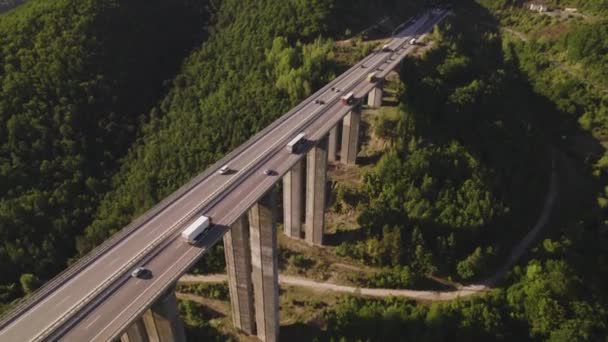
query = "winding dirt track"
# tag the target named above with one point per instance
(463, 291)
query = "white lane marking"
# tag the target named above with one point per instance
(63, 300)
(92, 322)
(113, 261)
(179, 260)
(117, 316)
(222, 188)
(272, 146)
(346, 79)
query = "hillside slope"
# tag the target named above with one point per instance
(264, 57)
(75, 83)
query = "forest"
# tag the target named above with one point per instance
(290, 54)
(75, 86)
(99, 99)
(469, 165)
(119, 138)
(558, 294)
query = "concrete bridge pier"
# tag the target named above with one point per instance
(162, 321)
(332, 147)
(374, 98)
(293, 201)
(238, 266)
(136, 332)
(316, 178)
(350, 137)
(264, 262)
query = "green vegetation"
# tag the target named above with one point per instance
(467, 163)
(75, 83)
(81, 82)
(593, 6)
(92, 135)
(559, 293)
(547, 301)
(226, 80)
(197, 323)
(211, 290)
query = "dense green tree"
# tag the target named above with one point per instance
(75, 82)
(29, 282)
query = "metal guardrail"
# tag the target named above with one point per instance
(144, 253)
(94, 254)
(137, 223)
(163, 288)
(229, 186)
(124, 325)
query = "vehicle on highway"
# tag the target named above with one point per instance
(268, 172)
(294, 145)
(321, 102)
(413, 41)
(140, 272)
(371, 77)
(224, 170)
(197, 227)
(386, 48)
(348, 99)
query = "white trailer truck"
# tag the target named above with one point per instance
(195, 229)
(294, 145)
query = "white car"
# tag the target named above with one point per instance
(224, 170)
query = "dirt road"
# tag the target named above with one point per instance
(463, 291)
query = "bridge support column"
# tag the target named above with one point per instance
(293, 201)
(374, 98)
(350, 137)
(162, 320)
(136, 332)
(264, 260)
(332, 147)
(238, 267)
(316, 177)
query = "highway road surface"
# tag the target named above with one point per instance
(98, 299)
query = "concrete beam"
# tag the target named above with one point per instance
(162, 320)
(136, 332)
(332, 148)
(238, 267)
(293, 201)
(316, 177)
(350, 138)
(264, 262)
(374, 98)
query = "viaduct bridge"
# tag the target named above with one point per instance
(96, 299)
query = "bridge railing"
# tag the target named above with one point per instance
(98, 251)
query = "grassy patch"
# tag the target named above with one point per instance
(207, 290)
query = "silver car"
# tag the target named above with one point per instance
(224, 170)
(139, 272)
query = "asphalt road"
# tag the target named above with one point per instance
(100, 301)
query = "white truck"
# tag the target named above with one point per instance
(413, 41)
(348, 99)
(294, 145)
(371, 77)
(195, 229)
